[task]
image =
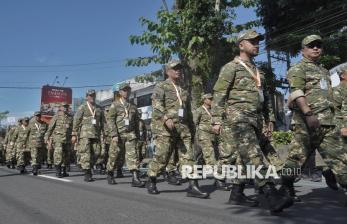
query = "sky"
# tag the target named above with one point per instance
(53, 33)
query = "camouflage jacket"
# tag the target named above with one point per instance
(142, 130)
(340, 104)
(22, 138)
(314, 82)
(60, 128)
(165, 102)
(117, 115)
(202, 120)
(237, 97)
(37, 132)
(83, 122)
(14, 135)
(9, 135)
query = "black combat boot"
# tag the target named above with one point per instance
(35, 171)
(288, 189)
(88, 175)
(316, 175)
(152, 185)
(8, 164)
(136, 182)
(194, 190)
(39, 166)
(110, 178)
(49, 166)
(172, 178)
(58, 171)
(119, 173)
(276, 201)
(65, 174)
(22, 169)
(330, 179)
(221, 185)
(237, 197)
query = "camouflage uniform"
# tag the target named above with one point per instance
(127, 134)
(237, 97)
(9, 146)
(11, 153)
(340, 103)
(205, 135)
(88, 128)
(142, 139)
(37, 130)
(312, 81)
(22, 146)
(60, 130)
(165, 103)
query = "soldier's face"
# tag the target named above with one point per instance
(25, 123)
(91, 98)
(313, 50)
(250, 47)
(125, 93)
(175, 72)
(38, 118)
(208, 101)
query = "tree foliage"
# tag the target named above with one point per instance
(195, 32)
(287, 22)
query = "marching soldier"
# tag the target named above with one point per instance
(59, 137)
(22, 145)
(170, 126)
(37, 129)
(240, 97)
(11, 154)
(311, 99)
(123, 123)
(88, 124)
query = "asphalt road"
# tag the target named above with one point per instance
(41, 199)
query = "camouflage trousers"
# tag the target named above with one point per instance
(270, 153)
(205, 142)
(10, 153)
(61, 155)
(23, 157)
(36, 155)
(126, 145)
(165, 143)
(239, 145)
(88, 152)
(327, 141)
(173, 163)
(50, 153)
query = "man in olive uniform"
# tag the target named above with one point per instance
(171, 119)
(311, 100)
(37, 130)
(59, 131)
(340, 102)
(142, 139)
(22, 145)
(240, 97)
(11, 149)
(123, 123)
(88, 124)
(205, 135)
(106, 142)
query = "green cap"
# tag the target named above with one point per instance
(26, 119)
(206, 96)
(249, 35)
(20, 120)
(173, 63)
(91, 92)
(121, 86)
(310, 39)
(37, 113)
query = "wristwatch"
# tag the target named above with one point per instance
(309, 113)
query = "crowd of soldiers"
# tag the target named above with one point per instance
(237, 120)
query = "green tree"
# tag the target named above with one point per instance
(3, 115)
(200, 33)
(287, 22)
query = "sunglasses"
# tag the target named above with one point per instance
(314, 44)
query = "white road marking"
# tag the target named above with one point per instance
(55, 178)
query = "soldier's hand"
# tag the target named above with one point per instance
(312, 122)
(169, 124)
(216, 128)
(73, 139)
(115, 139)
(343, 132)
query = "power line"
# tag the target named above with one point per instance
(35, 88)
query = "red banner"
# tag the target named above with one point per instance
(51, 97)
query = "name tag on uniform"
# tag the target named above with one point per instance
(261, 95)
(94, 121)
(323, 84)
(181, 112)
(126, 122)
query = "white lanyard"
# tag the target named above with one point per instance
(126, 110)
(255, 77)
(38, 126)
(178, 94)
(208, 112)
(91, 111)
(24, 128)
